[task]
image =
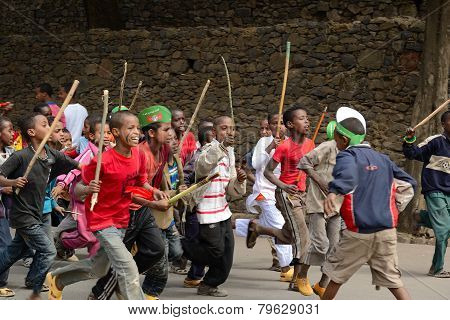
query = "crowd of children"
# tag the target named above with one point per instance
(334, 205)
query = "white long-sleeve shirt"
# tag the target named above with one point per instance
(212, 205)
(262, 186)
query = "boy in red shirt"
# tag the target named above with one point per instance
(189, 144)
(290, 194)
(122, 167)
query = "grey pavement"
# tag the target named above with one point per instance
(251, 279)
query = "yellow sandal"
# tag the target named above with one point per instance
(6, 293)
(53, 293)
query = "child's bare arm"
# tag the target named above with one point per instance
(157, 194)
(268, 173)
(82, 190)
(161, 205)
(17, 183)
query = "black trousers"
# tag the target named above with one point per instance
(143, 231)
(214, 247)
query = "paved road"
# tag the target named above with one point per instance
(250, 278)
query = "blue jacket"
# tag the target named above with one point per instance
(366, 179)
(434, 152)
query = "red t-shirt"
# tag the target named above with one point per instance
(117, 172)
(188, 148)
(289, 154)
(154, 168)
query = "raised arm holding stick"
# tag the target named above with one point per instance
(100, 146)
(52, 128)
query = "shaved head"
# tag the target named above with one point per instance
(220, 120)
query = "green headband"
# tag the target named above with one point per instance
(330, 129)
(354, 138)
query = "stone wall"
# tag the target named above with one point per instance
(370, 64)
(241, 13)
(58, 16)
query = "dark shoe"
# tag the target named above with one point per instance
(275, 267)
(29, 285)
(252, 235)
(205, 290)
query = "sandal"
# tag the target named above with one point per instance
(54, 293)
(442, 274)
(6, 293)
(251, 235)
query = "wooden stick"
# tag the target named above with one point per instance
(50, 131)
(192, 188)
(135, 95)
(316, 132)
(122, 84)
(229, 88)
(191, 122)
(431, 115)
(94, 198)
(283, 91)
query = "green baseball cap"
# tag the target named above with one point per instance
(118, 108)
(154, 114)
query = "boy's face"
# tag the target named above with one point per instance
(41, 128)
(95, 137)
(179, 122)
(161, 135)
(58, 134)
(86, 129)
(273, 126)
(264, 129)
(172, 141)
(67, 139)
(446, 125)
(128, 133)
(62, 94)
(299, 123)
(46, 111)
(209, 136)
(40, 96)
(341, 141)
(225, 129)
(7, 133)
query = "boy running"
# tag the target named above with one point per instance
(27, 206)
(290, 194)
(370, 209)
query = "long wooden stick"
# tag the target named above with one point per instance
(229, 88)
(94, 198)
(135, 95)
(431, 115)
(191, 122)
(192, 188)
(50, 131)
(122, 84)
(283, 91)
(322, 116)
